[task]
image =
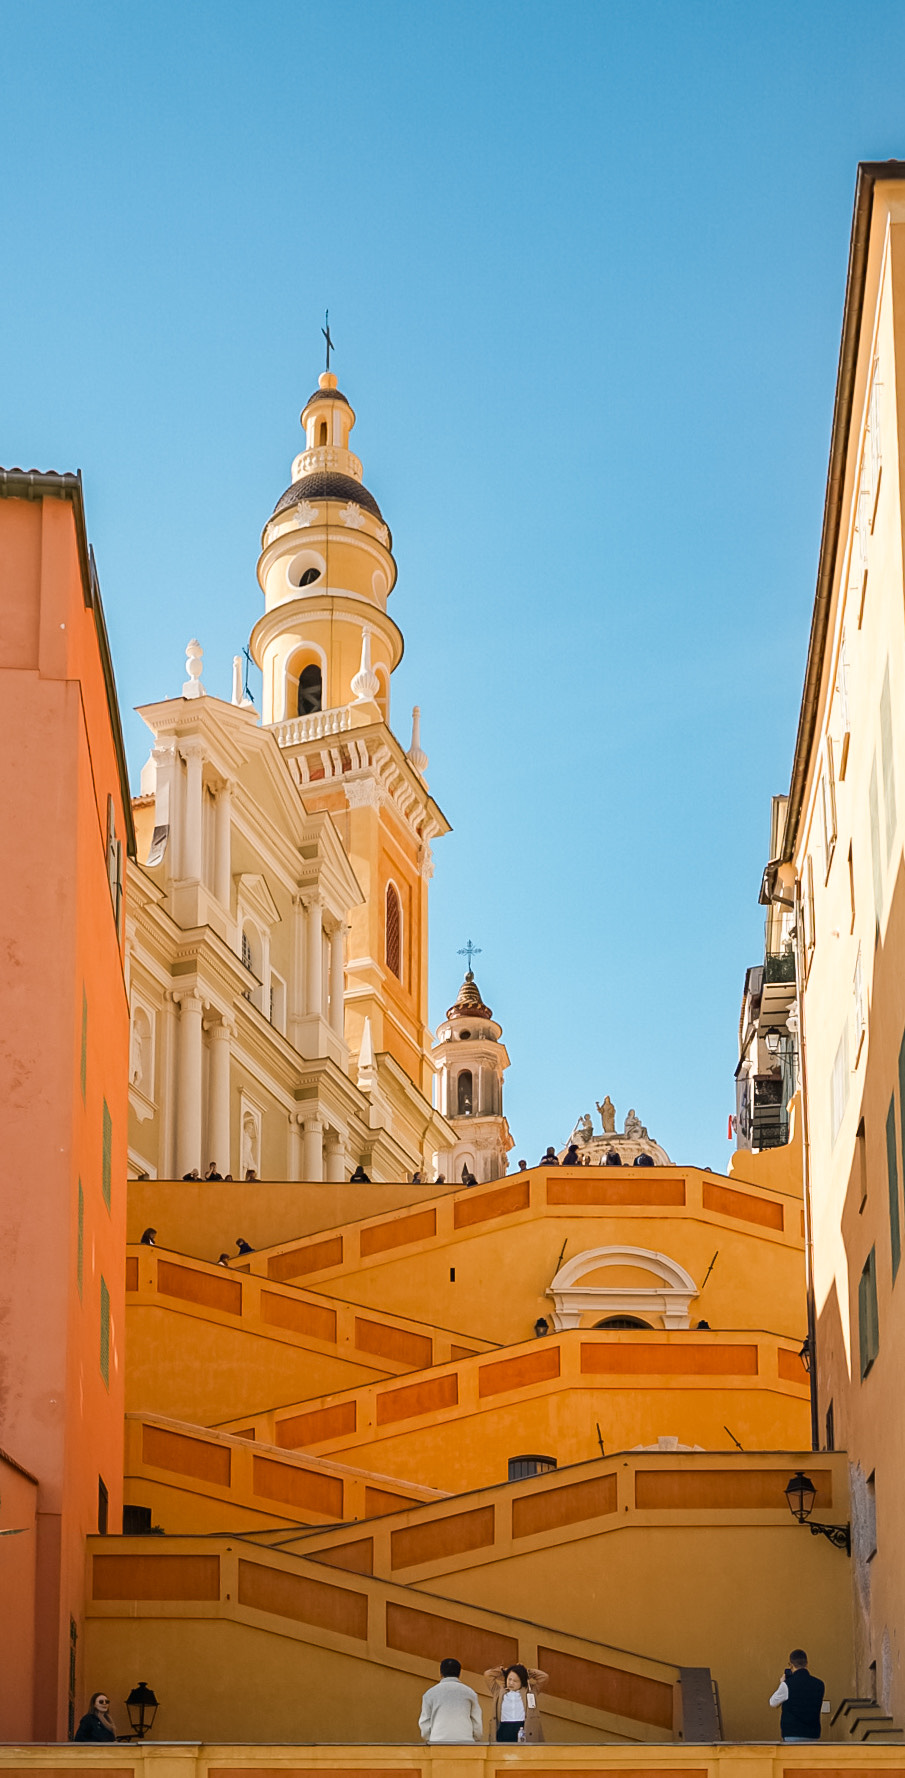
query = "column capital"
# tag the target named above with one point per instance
(222, 1027)
(191, 747)
(191, 1000)
(313, 1124)
(311, 898)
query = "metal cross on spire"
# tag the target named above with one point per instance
(325, 330)
(470, 951)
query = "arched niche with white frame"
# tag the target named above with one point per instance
(304, 656)
(644, 1283)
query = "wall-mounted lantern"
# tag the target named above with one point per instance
(801, 1495)
(142, 1707)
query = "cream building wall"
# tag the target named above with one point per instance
(840, 867)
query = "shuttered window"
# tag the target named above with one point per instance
(892, 1177)
(107, 1156)
(105, 1333)
(393, 932)
(868, 1318)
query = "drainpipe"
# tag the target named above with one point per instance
(806, 1164)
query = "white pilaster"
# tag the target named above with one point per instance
(334, 1158)
(222, 846)
(337, 978)
(218, 1097)
(294, 1160)
(192, 850)
(188, 1104)
(315, 950)
(314, 1149)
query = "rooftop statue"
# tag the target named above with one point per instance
(633, 1125)
(607, 1115)
(584, 1130)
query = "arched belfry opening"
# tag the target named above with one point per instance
(311, 690)
(465, 1093)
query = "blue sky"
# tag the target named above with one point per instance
(585, 267)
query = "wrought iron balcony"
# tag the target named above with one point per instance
(780, 967)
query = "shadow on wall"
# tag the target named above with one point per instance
(859, 1376)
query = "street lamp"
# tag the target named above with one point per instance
(541, 1327)
(801, 1494)
(142, 1707)
(805, 1356)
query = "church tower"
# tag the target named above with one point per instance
(471, 1060)
(327, 648)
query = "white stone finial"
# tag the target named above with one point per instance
(193, 687)
(237, 679)
(366, 684)
(367, 1073)
(416, 755)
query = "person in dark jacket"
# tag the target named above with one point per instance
(96, 1724)
(359, 1177)
(800, 1695)
(149, 1238)
(572, 1158)
(550, 1159)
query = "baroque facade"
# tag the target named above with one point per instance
(277, 933)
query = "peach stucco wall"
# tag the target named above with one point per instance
(58, 1417)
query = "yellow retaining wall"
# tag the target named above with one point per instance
(231, 1633)
(195, 1480)
(402, 1760)
(205, 1344)
(457, 1426)
(204, 1216)
(505, 1240)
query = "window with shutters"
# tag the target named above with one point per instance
(844, 718)
(876, 455)
(105, 1333)
(83, 1067)
(80, 1247)
(808, 908)
(892, 1180)
(828, 807)
(839, 1084)
(889, 764)
(114, 866)
(859, 1012)
(868, 1316)
(393, 931)
(107, 1156)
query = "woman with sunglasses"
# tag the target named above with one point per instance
(96, 1724)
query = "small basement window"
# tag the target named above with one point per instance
(622, 1321)
(521, 1467)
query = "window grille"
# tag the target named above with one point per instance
(892, 1179)
(522, 1467)
(393, 932)
(246, 950)
(868, 1317)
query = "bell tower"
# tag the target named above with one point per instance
(327, 648)
(471, 1061)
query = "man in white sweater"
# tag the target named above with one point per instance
(450, 1711)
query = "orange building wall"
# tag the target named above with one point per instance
(58, 1418)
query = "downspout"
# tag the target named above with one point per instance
(806, 1168)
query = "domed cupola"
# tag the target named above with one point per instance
(326, 644)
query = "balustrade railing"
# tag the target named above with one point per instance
(316, 726)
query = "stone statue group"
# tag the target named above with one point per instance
(584, 1129)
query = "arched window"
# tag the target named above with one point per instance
(622, 1321)
(393, 931)
(310, 690)
(522, 1467)
(322, 432)
(464, 1092)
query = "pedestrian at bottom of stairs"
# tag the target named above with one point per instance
(798, 1697)
(514, 1693)
(96, 1724)
(450, 1711)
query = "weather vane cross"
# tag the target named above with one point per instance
(470, 951)
(325, 330)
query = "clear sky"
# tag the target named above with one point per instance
(585, 267)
